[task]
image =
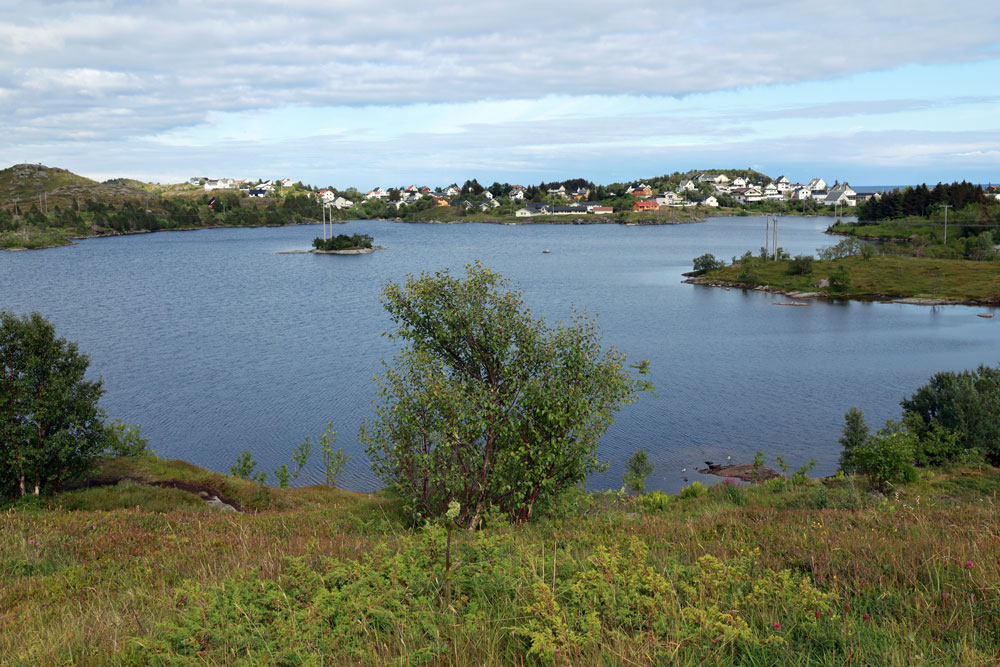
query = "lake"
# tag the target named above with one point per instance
(215, 344)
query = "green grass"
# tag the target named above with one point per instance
(894, 277)
(133, 574)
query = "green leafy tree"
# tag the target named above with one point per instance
(706, 263)
(486, 405)
(854, 435)
(51, 427)
(638, 468)
(966, 404)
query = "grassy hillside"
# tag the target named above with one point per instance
(786, 573)
(894, 277)
(30, 180)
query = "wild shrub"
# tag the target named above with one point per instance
(840, 279)
(126, 440)
(886, 458)
(801, 265)
(637, 469)
(657, 501)
(693, 490)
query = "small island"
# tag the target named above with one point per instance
(342, 244)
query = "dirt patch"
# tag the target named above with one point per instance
(203, 491)
(747, 472)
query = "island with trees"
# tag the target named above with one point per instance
(344, 244)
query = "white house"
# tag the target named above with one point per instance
(668, 199)
(687, 186)
(516, 193)
(377, 193)
(220, 184)
(523, 213)
(801, 192)
(841, 194)
(817, 184)
(342, 202)
(452, 190)
(558, 192)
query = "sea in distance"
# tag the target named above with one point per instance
(217, 344)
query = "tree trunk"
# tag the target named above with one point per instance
(23, 490)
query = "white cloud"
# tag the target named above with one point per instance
(460, 79)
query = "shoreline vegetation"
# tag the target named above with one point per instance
(915, 281)
(46, 207)
(137, 564)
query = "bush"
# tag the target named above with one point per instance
(840, 279)
(487, 406)
(637, 469)
(125, 440)
(657, 501)
(887, 457)
(801, 265)
(706, 263)
(51, 427)
(695, 490)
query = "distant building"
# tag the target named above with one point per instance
(710, 200)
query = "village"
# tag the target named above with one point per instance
(697, 189)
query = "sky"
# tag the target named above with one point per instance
(351, 93)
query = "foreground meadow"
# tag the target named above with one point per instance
(805, 572)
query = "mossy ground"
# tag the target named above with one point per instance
(817, 572)
(892, 277)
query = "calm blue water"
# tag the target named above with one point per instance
(215, 344)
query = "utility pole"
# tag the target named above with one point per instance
(774, 245)
(767, 235)
(946, 207)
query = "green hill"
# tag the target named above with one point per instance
(30, 180)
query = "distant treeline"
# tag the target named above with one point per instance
(166, 213)
(922, 201)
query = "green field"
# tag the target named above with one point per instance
(879, 277)
(805, 572)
